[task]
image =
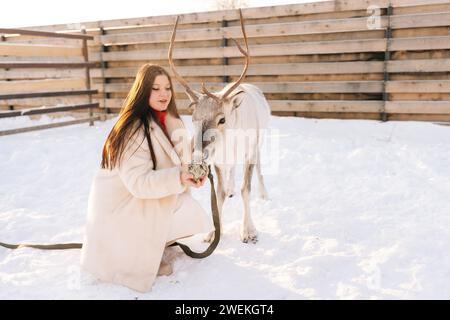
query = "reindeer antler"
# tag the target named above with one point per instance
(189, 91)
(209, 94)
(247, 61)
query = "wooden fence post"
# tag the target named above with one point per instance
(87, 76)
(3, 39)
(387, 57)
(224, 45)
(104, 65)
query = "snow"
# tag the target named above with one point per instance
(357, 210)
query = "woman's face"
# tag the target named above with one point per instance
(160, 94)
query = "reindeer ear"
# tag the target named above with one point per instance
(235, 98)
(232, 102)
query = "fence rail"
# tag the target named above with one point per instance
(361, 59)
(13, 93)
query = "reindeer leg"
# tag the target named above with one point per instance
(261, 187)
(220, 191)
(230, 182)
(248, 231)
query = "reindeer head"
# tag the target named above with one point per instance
(211, 111)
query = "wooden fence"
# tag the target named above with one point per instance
(21, 89)
(356, 59)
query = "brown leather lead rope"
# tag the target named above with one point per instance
(216, 221)
(185, 248)
(56, 246)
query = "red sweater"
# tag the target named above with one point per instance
(161, 115)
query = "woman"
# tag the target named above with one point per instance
(140, 200)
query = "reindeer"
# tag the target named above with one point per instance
(240, 108)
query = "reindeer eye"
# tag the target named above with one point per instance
(222, 121)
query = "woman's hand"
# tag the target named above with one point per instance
(201, 181)
(188, 180)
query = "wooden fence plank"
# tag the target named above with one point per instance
(300, 48)
(34, 111)
(273, 87)
(252, 31)
(46, 65)
(443, 7)
(296, 105)
(5, 31)
(43, 102)
(410, 3)
(326, 106)
(264, 69)
(40, 85)
(423, 65)
(40, 73)
(37, 50)
(48, 126)
(416, 86)
(421, 43)
(438, 19)
(426, 107)
(431, 107)
(9, 114)
(46, 94)
(16, 59)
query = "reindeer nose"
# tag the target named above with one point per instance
(205, 154)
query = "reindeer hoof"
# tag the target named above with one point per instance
(249, 236)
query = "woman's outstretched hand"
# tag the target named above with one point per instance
(188, 180)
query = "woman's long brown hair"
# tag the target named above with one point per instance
(135, 113)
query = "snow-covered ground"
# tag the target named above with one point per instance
(358, 210)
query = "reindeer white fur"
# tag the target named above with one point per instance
(247, 113)
(239, 111)
(247, 116)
